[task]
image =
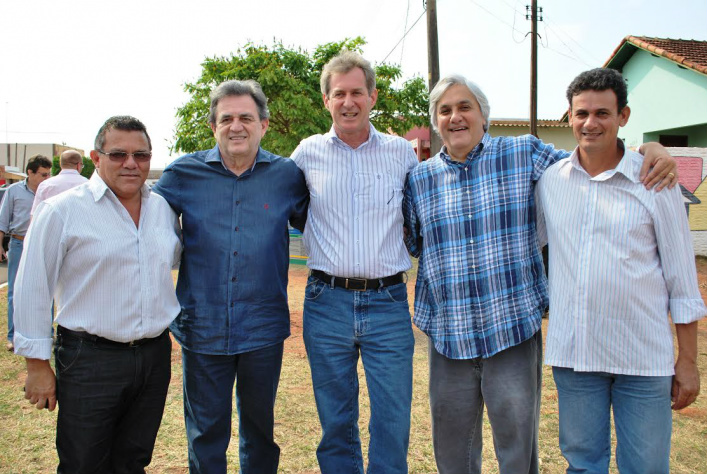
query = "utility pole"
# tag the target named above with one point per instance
(433, 64)
(533, 17)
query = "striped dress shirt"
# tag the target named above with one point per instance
(621, 257)
(114, 280)
(480, 281)
(355, 222)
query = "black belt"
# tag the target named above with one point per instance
(359, 284)
(63, 332)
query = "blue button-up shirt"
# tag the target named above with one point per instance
(15, 209)
(480, 283)
(232, 283)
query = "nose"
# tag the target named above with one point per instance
(348, 100)
(236, 126)
(130, 162)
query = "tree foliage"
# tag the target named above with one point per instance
(86, 172)
(290, 80)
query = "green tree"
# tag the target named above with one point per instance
(86, 172)
(290, 80)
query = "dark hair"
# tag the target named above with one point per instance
(239, 88)
(600, 79)
(36, 162)
(125, 123)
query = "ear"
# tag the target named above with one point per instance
(325, 99)
(265, 123)
(95, 158)
(213, 128)
(374, 97)
(624, 115)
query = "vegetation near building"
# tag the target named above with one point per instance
(290, 80)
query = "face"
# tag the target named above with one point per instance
(350, 104)
(124, 178)
(34, 178)
(595, 120)
(238, 128)
(460, 121)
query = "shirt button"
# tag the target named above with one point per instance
(233, 303)
(235, 254)
(237, 203)
(233, 278)
(236, 228)
(473, 266)
(471, 241)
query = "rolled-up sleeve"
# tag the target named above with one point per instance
(677, 257)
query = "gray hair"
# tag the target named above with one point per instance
(238, 88)
(446, 83)
(343, 63)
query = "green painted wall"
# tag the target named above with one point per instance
(560, 137)
(664, 96)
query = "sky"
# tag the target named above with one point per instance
(68, 65)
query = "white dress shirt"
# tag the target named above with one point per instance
(113, 279)
(355, 222)
(621, 257)
(65, 180)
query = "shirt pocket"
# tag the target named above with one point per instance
(379, 190)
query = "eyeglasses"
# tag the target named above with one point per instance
(121, 156)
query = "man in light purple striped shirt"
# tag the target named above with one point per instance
(356, 297)
(621, 258)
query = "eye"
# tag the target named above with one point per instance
(142, 155)
(118, 155)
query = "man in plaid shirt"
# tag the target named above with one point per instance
(481, 288)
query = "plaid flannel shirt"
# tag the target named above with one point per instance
(480, 283)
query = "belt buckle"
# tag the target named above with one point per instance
(365, 284)
(133, 343)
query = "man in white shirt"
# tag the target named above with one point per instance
(621, 259)
(71, 163)
(105, 249)
(356, 299)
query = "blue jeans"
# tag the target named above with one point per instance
(339, 325)
(508, 384)
(14, 254)
(111, 401)
(208, 385)
(642, 417)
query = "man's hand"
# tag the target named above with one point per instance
(3, 254)
(40, 386)
(686, 384)
(659, 169)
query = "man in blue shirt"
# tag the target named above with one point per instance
(14, 220)
(235, 202)
(481, 289)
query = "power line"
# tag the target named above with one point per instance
(402, 48)
(405, 34)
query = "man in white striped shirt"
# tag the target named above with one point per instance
(621, 258)
(356, 296)
(105, 249)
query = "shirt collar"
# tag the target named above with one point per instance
(69, 172)
(99, 188)
(214, 156)
(485, 140)
(332, 137)
(625, 167)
